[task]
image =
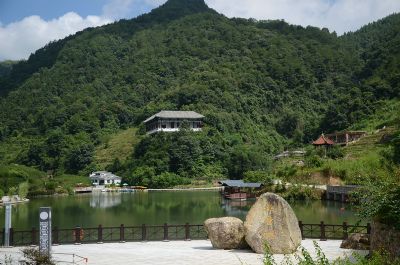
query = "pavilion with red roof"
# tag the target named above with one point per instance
(323, 141)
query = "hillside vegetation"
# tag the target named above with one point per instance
(263, 86)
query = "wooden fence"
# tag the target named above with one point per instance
(164, 232)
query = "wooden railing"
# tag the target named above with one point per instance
(164, 232)
(324, 231)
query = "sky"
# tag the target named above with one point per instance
(27, 25)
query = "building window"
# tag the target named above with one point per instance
(172, 125)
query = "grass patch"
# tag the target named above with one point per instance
(119, 145)
(386, 114)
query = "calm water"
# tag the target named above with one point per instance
(113, 209)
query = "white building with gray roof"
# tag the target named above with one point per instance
(171, 121)
(100, 178)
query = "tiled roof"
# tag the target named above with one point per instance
(322, 140)
(239, 183)
(103, 175)
(169, 114)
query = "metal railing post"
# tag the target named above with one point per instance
(55, 236)
(345, 232)
(323, 236)
(144, 232)
(100, 234)
(368, 228)
(122, 234)
(11, 237)
(187, 232)
(165, 232)
(33, 236)
(301, 229)
(77, 235)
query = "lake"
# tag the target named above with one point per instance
(155, 208)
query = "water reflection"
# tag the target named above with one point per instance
(153, 208)
(236, 208)
(105, 199)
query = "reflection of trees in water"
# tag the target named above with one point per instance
(113, 209)
(105, 199)
(20, 211)
(237, 208)
(328, 211)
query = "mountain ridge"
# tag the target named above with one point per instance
(262, 85)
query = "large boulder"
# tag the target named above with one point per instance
(356, 241)
(272, 221)
(225, 232)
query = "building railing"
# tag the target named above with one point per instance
(341, 189)
(164, 232)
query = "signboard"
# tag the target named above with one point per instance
(45, 230)
(7, 225)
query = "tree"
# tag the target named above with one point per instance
(23, 189)
(79, 156)
(141, 176)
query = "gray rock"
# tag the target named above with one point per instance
(356, 241)
(225, 232)
(272, 221)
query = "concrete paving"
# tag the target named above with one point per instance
(196, 252)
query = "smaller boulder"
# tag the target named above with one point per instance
(356, 241)
(226, 232)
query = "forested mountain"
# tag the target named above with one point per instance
(5, 67)
(262, 85)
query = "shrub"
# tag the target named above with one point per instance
(34, 257)
(258, 176)
(287, 172)
(12, 191)
(313, 161)
(335, 152)
(298, 192)
(168, 180)
(380, 200)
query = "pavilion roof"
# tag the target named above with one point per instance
(239, 183)
(170, 114)
(322, 140)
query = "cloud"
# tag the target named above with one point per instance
(19, 39)
(336, 15)
(116, 9)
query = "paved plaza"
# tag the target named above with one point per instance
(196, 252)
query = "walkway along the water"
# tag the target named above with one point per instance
(197, 252)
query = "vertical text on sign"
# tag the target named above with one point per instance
(45, 230)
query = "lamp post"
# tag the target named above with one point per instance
(7, 224)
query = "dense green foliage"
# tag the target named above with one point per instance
(6, 67)
(262, 85)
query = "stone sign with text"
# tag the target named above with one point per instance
(45, 230)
